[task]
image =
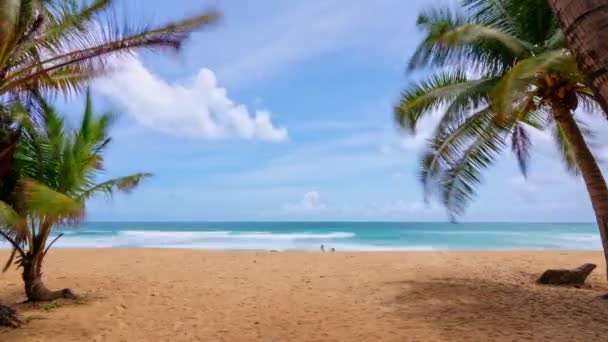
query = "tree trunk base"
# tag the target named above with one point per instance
(8, 317)
(45, 295)
(567, 277)
(36, 290)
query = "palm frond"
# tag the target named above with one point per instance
(452, 39)
(10, 15)
(460, 180)
(470, 34)
(520, 144)
(448, 142)
(86, 50)
(41, 201)
(419, 99)
(470, 99)
(517, 80)
(11, 231)
(124, 184)
(588, 102)
(564, 149)
(493, 12)
(68, 21)
(68, 80)
(8, 216)
(518, 54)
(530, 20)
(557, 41)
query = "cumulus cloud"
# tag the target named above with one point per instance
(311, 203)
(198, 108)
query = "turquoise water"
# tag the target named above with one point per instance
(364, 236)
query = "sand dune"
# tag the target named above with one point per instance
(186, 295)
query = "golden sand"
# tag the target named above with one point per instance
(188, 295)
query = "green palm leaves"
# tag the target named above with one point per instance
(57, 172)
(507, 69)
(52, 47)
(56, 45)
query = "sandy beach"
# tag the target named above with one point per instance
(189, 295)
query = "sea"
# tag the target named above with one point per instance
(343, 236)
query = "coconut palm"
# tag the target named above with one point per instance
(584, 21)
(57, 46)
(58, 172)
(500, 71)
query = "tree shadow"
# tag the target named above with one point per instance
(480, 309)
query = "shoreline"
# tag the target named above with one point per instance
(414, 250)
(138, 294)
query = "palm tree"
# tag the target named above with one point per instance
(584, 22)
(57, 46)
(509, 73)
(57, 172)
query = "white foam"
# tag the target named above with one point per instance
(181, 235)
(577, 241)
(207, 240)
(342, 241)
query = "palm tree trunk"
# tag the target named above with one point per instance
(35, 290)
(585, 23)
(596, 185)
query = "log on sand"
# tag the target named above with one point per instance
(576, 276)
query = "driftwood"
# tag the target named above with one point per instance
(576, 276)
(8, 317)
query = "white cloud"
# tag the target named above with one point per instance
(311, 203)
(199, 108)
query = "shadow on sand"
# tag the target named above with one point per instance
(482, 310)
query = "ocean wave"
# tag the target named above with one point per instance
(214, 240)
(235, 235)
(283, 239)
(576, 241)
(475, 232)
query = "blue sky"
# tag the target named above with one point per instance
(282, 111)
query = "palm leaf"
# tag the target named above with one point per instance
(452, 39)
(100, 42)
(460, 180)
(421, 98)
(8, 216)
(564, 149)
(41, 201)
(469, 100)
(530, 20)
(448, 142)
(10, 229)
(520, 144)
(516, 82)
(124, 184)
(10, 11)
(470, 34)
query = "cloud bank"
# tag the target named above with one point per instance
(310, 203)
(199, 108)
